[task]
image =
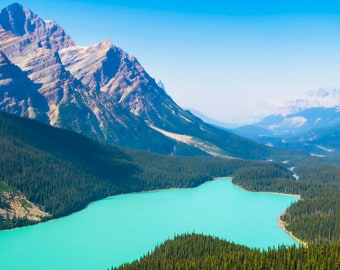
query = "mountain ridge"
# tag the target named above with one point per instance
(314, 131)
(103, 92)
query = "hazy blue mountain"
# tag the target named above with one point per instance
(253, 132)
(318, 98)
(319, 134)
(100, 91)
(302, 121)
(319, 142)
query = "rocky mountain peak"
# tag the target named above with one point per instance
(13, 18)
(105, 44)
(100, 91)
(29, 28)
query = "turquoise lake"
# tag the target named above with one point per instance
(122, 228)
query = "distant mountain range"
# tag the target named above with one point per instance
(302, 121)
(320, 98)
(313, 130)
(100, 91)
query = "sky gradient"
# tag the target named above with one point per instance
(227, 59)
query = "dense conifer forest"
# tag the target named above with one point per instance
(316, 217)
(63, 171)
(191, 252)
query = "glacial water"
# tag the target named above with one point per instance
(122, 228)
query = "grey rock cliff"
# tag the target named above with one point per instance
(18, 94)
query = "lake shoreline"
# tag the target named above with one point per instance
(163, 189)
(136, 224)
(298, 196)
(281, 223)
(111, 196)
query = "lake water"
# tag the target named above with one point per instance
(122, 228)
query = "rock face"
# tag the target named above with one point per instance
(99, 91)
(18, 94)
(22, 27)
(17, 206)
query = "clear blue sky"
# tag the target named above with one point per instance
(223, 58)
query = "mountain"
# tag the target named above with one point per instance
(302, 121)
(320, 98)
(100, 91)
(26, 104)
(319, 142)
(314, 131)
(317, 109)
(253, 132)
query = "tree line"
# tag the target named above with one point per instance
(191, 252)
(62, 171)
(316, 217)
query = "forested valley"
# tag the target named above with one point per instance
(315, 219)
(62, 171)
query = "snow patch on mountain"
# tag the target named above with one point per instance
(186, 119)
(293, 122)
(318, 120)
(329, 150)
(317, 155)
(326, 98)
(161, 84)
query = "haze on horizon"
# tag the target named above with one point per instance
(227, 60)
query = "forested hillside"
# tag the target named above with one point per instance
(62, 171)
(191, 252)
(316, 217)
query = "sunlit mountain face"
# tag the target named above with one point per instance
(100, 91)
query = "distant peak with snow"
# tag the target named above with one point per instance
(320, 98)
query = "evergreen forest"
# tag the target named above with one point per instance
(62, 172)
(191, 252)
(316, 217)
